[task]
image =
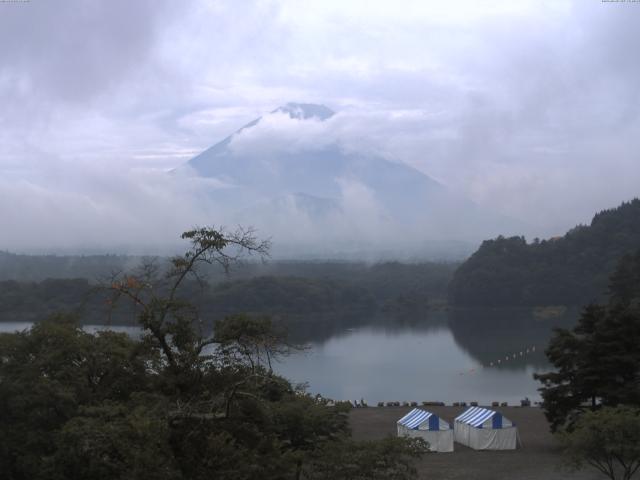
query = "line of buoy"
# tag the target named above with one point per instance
(511, 356)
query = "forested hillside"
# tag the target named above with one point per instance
(569, 270)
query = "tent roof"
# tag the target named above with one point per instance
(415, 418)
(475, 416)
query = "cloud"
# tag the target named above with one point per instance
(278, 132)
(96, 209)
(73, 50)
(529, 108)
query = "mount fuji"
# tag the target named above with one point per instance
(286, 174)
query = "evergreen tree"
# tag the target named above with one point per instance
(597, 362)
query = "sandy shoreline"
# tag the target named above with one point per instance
(538, 458)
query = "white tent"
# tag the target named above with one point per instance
(428, 426)
(483, 429)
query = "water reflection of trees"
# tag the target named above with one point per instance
(485, 334)
(489, 335)
(319, 329)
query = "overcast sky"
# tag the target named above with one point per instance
(530, 108)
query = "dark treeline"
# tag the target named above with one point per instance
(281, 289)
(569, 270)
(35, 268)
(301, 287)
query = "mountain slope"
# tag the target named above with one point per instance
(570, 270)
(287, 168)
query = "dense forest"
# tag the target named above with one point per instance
(35, 268)
(569, 270)
(287, 289)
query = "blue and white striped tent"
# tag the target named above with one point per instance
(429, 427)
(484, 429)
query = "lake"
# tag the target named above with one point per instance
(481, 356)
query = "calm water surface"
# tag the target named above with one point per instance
(412, 364)
(454, 358)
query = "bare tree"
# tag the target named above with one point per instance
(167, 319)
